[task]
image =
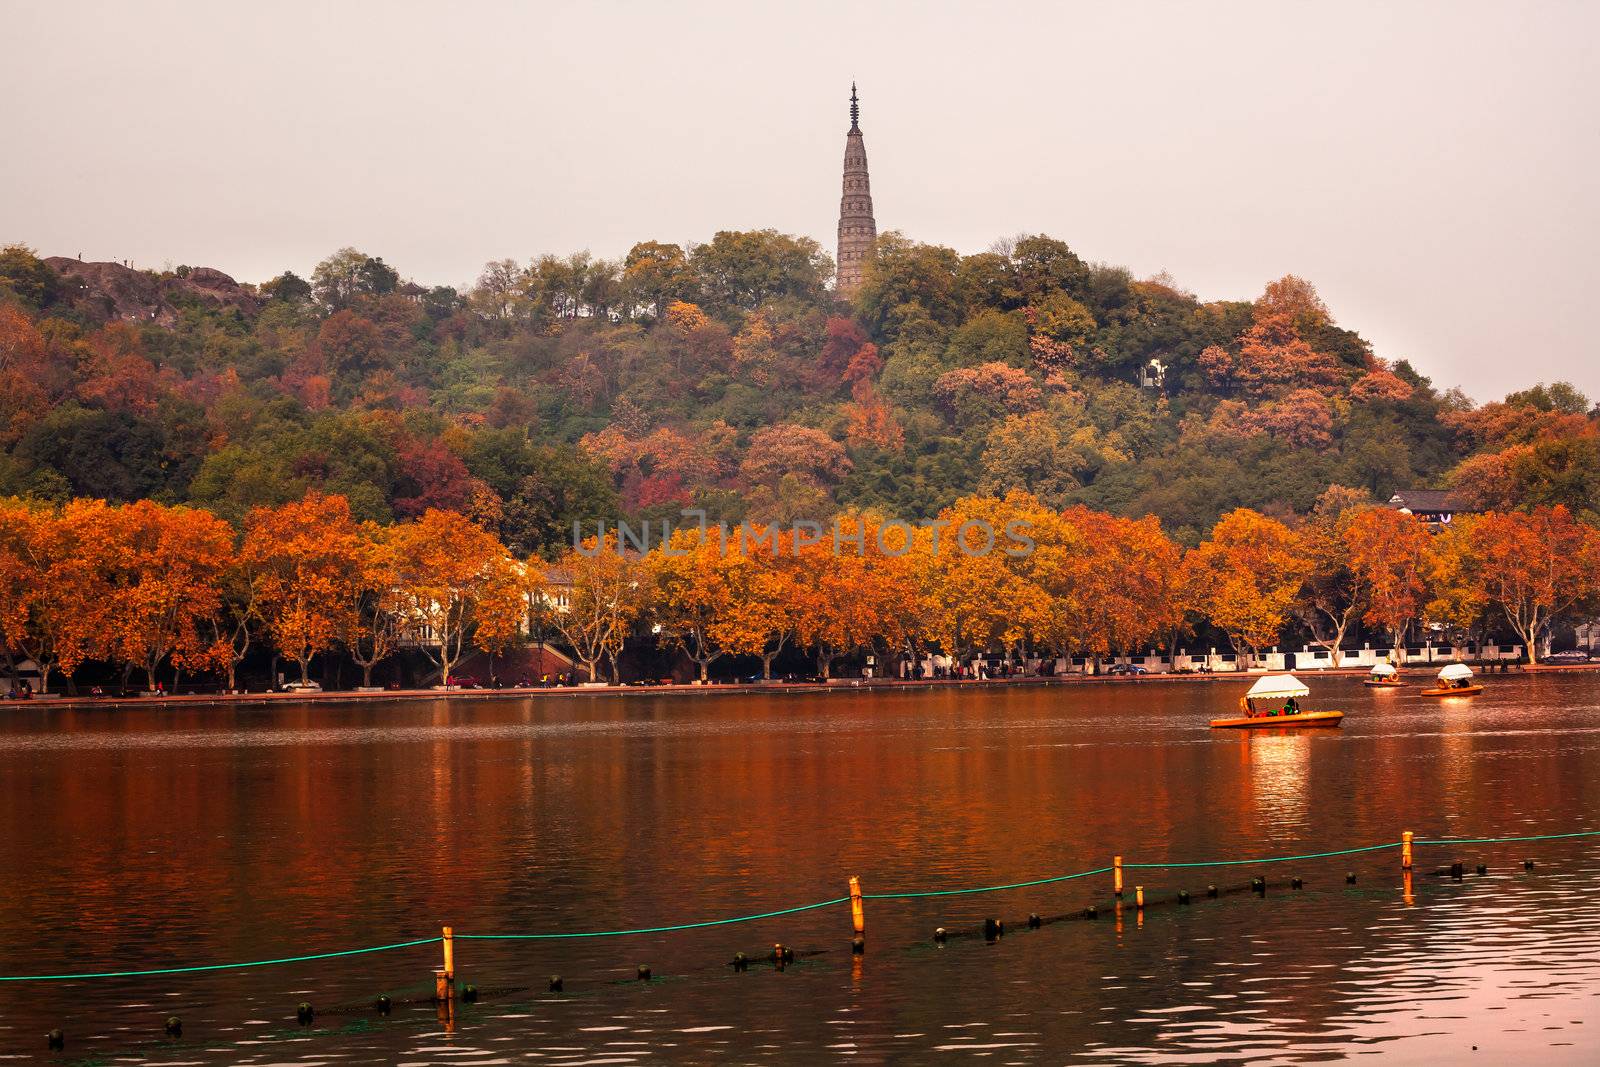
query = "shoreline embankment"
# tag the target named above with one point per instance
(709, 689)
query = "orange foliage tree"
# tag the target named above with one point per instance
(848, 591)
(1536, 566)
(307, 559)
(1335, 594)
(372, 625)
(697, 579)
(1247, 576)
(162, 569)
(1389, 552)
(457, 582)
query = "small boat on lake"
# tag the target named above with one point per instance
(1454, 681)
(1384, 676)
(1273, 703)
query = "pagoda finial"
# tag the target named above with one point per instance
(855, 109)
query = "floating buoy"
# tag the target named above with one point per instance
(1295, 883)
(304, 1012)
(1350, 878)
(1211, 891)
(1527, 865)
(1483, 869)
(939, 936)
(384, 1005)
(555, 983)
(1034, 922)
(993, 929)
(1183, 896)
(1455, 871)
(740, 962)
(56, 1040)
(858, 946)
(1259, 886)
(469, 993)
(644, 973)
(174, 1026)
(1091, 912)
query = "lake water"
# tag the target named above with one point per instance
(144, 838)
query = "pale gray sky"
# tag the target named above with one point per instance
(1430, 166)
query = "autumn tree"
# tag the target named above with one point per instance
(373, 623)
(1335, 594)
(307, 558)
(763, 618)
(1388, 552)
(604, 597)
(849, 591)
(1536, 566)
(696, 581)
(57, 607)
(1247, 574)
(977, 582)
(162, 569)
(455, 579)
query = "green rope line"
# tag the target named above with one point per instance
(774, 914)
(1497, 840)
(219, 966)
(652, 929)
(983, 889)
(1267, 859)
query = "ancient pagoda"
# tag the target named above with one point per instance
(857, 229)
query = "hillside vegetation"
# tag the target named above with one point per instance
(727, 377)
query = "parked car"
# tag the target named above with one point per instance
(1126, 668)
(1573, 655)
(300, 687)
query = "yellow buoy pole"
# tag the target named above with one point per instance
(444, 979)
(1138, 896)
(1405, 850)
(858, 914)
(1116, 875)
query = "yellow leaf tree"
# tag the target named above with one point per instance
(1247, 576)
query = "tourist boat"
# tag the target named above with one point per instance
(1274, 702)
(1384, 676)
(1454, 681)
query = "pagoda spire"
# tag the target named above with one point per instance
(857, 227)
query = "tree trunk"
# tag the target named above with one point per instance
(825, 663)
(366, 674)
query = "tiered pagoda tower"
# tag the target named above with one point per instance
(857, 229)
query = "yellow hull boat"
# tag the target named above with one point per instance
(1453, 691)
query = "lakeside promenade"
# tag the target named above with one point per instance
(713, 688)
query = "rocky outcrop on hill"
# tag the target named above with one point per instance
(113, 291)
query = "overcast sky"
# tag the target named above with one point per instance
(1429, 166)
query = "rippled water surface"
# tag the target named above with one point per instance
(146, 838)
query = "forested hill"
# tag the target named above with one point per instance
(727, 376)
